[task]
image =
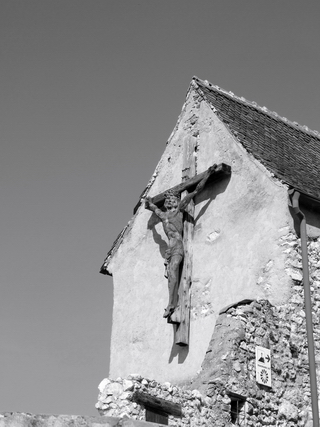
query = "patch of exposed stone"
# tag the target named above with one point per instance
(230, 363)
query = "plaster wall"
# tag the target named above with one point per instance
(237, 252)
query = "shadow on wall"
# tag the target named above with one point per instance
(210, 193)
(162, 244)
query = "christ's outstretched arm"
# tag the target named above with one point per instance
(154, 208)
(184, 203)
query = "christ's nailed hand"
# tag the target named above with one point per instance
(146, 201)
(212, 169)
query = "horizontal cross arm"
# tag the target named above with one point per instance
(221, 171)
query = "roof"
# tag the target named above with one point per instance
(290, 151)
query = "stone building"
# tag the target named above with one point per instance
(241, 283)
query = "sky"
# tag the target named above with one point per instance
(90, 91)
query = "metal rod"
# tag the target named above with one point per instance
(294, 197)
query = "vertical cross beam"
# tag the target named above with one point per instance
(184, 303)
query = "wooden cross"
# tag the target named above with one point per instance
(181, 315)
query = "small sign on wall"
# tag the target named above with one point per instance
(263, 366)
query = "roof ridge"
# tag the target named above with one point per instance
(273, 114)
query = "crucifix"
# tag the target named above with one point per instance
(178, 224)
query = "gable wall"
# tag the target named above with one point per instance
(237, 252)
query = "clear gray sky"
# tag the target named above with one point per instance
(90, 92)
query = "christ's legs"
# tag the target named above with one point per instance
(173, 283)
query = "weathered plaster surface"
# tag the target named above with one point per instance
(237, 252)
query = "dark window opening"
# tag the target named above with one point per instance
(237, 410)
(157, 417)
(157, 409)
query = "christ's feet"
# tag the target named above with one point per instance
(168, 311)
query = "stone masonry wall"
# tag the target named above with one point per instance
(20, 419)
(115, 399)
(229, 366)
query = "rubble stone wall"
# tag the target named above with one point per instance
(20, 419)
(115, 399)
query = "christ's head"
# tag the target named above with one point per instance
(172, 200)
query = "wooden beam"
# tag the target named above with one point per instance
(189, 185)
(158, 404)
(182, 329)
